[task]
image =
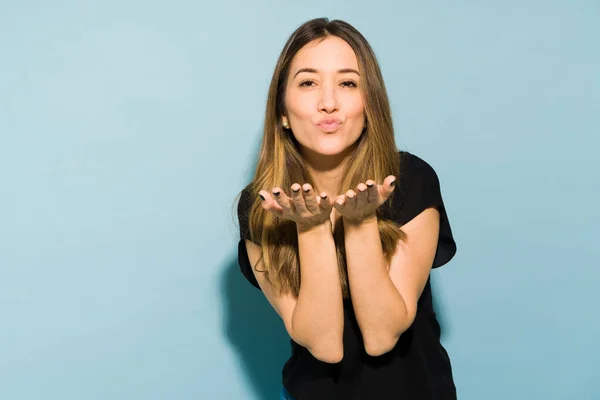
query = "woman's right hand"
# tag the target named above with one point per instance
(304, 207)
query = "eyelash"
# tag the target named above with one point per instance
(354, 84)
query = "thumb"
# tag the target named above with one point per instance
(386, 190)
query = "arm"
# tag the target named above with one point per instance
(385, 303)
(318, 319)
(315, 319)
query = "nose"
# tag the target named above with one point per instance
(328, 101)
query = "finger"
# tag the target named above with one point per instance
(283, 201)
(340, 202)
(361, 195)
(298, 199)
(350, 200)
(385, 190)
(325, 202)
(310, 199)
(269, 204)
(372, 194)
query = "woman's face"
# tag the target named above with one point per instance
(324, 105)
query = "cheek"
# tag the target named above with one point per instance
(298, 106)
(358, 107)
(354, 107)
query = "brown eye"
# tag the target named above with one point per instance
(304, 83)
(349, 84)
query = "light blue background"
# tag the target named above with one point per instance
(128, 127)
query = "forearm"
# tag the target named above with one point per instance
(318, 319)
(380, 310)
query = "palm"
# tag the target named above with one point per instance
(362, 204)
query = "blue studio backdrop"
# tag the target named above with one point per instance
(127, 128)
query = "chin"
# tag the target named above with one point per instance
(334, 147)
(330, 150)
(329, 146)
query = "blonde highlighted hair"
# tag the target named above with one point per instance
(280, 163)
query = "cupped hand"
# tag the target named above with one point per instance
(303, 207)
(360, 205)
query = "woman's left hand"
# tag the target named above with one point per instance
(359, 206)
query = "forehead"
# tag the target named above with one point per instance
(331, 53)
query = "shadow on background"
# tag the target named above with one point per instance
(255, 331)
(250, 323)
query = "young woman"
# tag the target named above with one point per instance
(340, 229)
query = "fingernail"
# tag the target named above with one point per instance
(261, 197)
(295, 190)
(370, 185)
(393, 183)
(306, 190)
(323, 197)
(276, 193)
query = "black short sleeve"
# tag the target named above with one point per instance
(244, 205)
(418, 190)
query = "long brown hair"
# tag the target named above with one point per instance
(280, 163)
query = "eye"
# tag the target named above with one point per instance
(304, 83)
(308, 83)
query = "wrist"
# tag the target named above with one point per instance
(359, 222)
(323, 227)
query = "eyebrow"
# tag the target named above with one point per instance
(341, 71)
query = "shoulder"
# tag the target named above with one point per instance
(418, 188)
(245, 200)
(414, 170)
(243, 211)
(411, 164)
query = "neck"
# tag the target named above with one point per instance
(326, 170)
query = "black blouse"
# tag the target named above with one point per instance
(418, 366)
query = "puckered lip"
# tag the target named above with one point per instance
(328, 121)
